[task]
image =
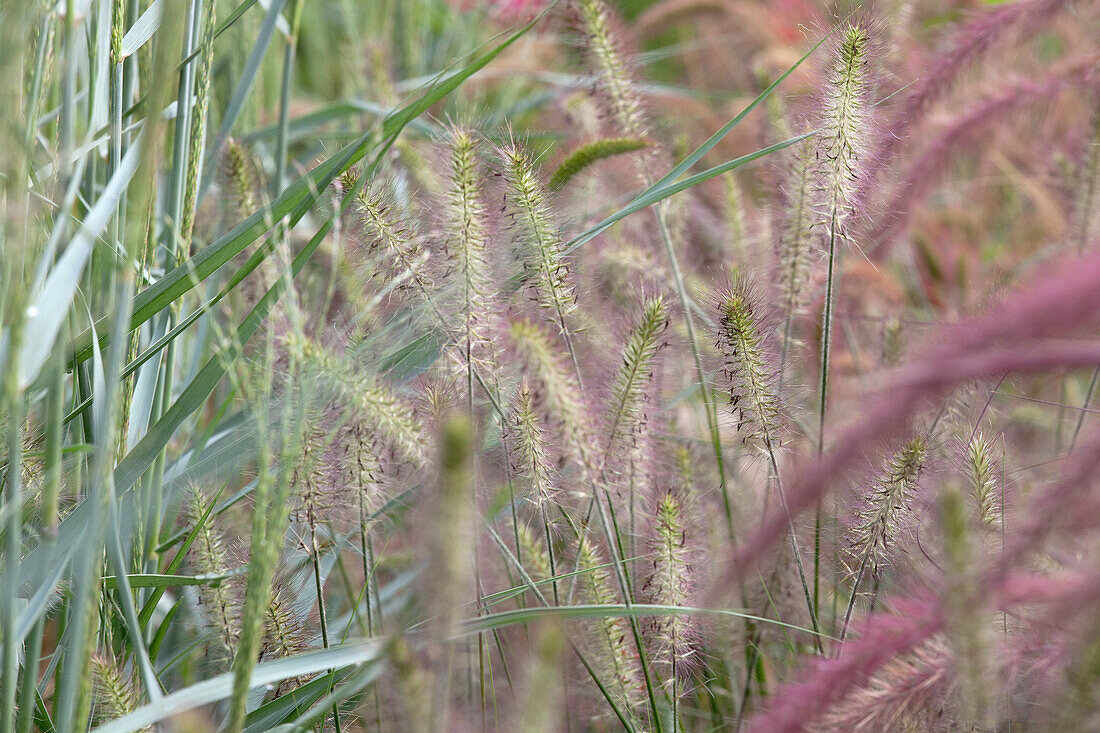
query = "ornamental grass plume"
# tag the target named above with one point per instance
(116, 692)
(466, 236)
(384, 231)
(364, 397)
(883, 510)
(558, 392)
(530, 443)
(845, 122)
(535, 234)
(220, 603)
(670, 583)
(627, 403)
(982, 473)
(1061, 301)
(616, 84)
(747, 366)
(617, 664)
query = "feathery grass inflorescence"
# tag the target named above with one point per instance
(841, 155)
(536, 235)
(116, 692)
(880, 517)
(627, 402)
(909, 693)
(618, 664)
(754, 396)
(741, 342)
(220, 602)
(198, 122)
(557, 390)
(613, 72)
(591, 153)
(670, 584)
(530, 444)
(364, 397)
(982, 469)
(403, 253)
(467, 241)
(240, 176)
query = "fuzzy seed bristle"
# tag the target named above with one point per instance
(842, 142)
(635, 371)
(116, 692)
(670, 585)
(467, 238)
(365, 398)
(534, 464)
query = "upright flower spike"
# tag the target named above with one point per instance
(635, 371)
(403, 252)
(467, 239)
(534, 465)
(981, 466)
(670, 585)
(845, 123)
(841, 156)
(366, 398)
(751, 381)
(559, 393)
(208, 556)
(117, 693)
(540, 245)
(616, 82)
(619, 667)
(880, 517)
(240, 175)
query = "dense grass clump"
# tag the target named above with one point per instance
(549, 366)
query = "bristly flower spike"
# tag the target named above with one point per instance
(560, 394)
(879, 519)
(751, 381)
(612, 69)
(841, 155)
(670, 585)
(983, 479)
(635, 371)
(467, 239)
(754, 395)
(540, 244)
